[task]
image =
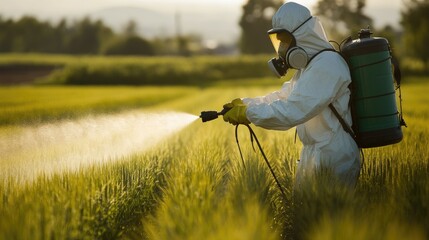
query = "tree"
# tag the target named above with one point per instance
(130, 29)
(415, 23)
(342, 17)
(392, 35)
(130, 45)
(6, 35)
(30, 35)
(86, 36)
(59, 37)
(254, 23)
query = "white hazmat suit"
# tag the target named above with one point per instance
(303, 102)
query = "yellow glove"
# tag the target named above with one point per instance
(237, 114)
(233, 103)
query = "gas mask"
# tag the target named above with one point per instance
(289, 54)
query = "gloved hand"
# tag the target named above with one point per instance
(237, 113)
(233, 103)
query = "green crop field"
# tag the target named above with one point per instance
(28, 104)
(191, 184)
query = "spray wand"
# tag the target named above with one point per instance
(211, 115)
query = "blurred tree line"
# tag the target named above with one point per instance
(92, 37)
(341, 18)
(84, 36)
(28, 34)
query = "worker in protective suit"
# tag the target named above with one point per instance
(322, 77)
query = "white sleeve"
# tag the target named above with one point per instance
(283, 93)
(317, 86)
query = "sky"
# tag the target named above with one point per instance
(16, 8)
(383, 12)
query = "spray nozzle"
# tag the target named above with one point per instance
(211, 115)
(365, 33)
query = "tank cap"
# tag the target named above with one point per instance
(365, 33)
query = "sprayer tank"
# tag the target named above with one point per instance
(373, 102)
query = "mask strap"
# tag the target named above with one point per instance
(308, 19)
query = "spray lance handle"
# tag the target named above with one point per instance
(211, 115)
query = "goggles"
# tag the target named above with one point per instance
(283, 40)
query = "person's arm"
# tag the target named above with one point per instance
(283, 93)
(317, 86)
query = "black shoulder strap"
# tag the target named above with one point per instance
(346, 127)
(324, 50)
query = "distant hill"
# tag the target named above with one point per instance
(151, 23)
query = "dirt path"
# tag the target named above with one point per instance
(23, 74)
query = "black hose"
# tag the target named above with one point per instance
(253, 135)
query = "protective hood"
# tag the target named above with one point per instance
(311, 36)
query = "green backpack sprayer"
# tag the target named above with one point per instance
(375, 116)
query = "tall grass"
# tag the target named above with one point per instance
(194, 186)
(101, 202)
(210, 194)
